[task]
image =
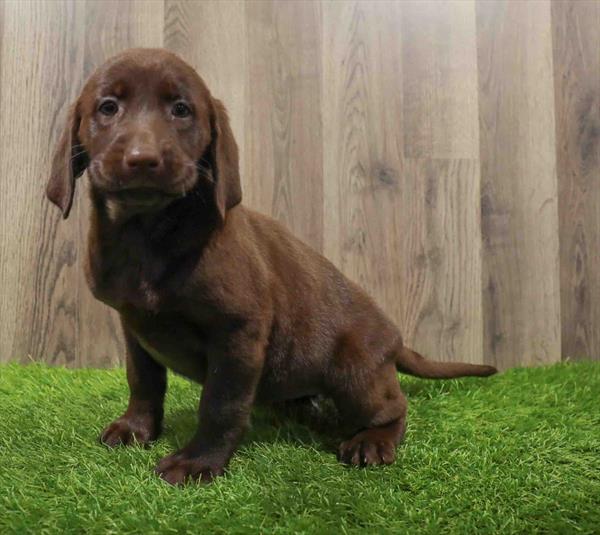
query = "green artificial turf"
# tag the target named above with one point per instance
(515, 453)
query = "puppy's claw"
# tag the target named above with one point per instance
(178, 469)
(366, 453)
(123, 432)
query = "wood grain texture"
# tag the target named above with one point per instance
(442, 277)
(519, 190)
(444, 154)
(39, 304)
(362, 138)
(283, 139)
(440, 79)
(442, 280)
(407, 229)
(576, 39)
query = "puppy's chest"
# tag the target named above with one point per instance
(131, 288)
(172, 339)
(162, 303)
(135, 278)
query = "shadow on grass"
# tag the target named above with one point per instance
(303, 422)
(309, 421)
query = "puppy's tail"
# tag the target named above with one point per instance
(410, 362)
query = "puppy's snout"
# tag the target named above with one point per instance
(143, 157)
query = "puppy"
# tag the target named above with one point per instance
(210, 289)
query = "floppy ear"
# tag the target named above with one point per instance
(224, 161)
(69, 162)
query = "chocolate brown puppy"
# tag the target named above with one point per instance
(210, 289)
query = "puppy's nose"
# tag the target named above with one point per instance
(142, 158)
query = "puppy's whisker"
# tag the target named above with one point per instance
(77, 146)
(202, 171)
(73, 156)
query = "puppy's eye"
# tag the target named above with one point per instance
(181, 110)
(108, 108)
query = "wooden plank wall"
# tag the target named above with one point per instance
(444, 154)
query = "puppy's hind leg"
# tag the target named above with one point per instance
(374, 445)
(368, 396)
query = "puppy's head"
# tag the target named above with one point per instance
(148, 131)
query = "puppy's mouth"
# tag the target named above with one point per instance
(134, 193)
(141, 196)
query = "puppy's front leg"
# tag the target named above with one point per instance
(147, 386)
(227, 399)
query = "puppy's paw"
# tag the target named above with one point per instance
(361, 450)
(182, 467)
(127, 431)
